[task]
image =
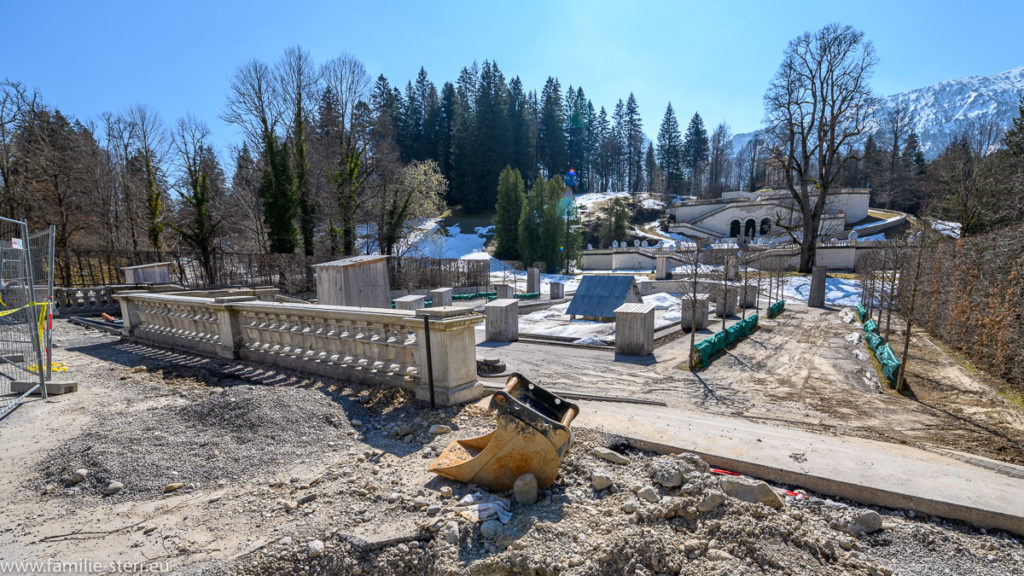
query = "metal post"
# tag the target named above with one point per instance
(430, 359)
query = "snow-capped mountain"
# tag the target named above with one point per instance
(941, 110)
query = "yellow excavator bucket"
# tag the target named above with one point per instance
(531, 437)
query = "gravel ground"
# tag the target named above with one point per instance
(285, 474)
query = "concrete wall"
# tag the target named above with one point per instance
(360, 281)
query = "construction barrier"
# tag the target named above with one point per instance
(873, 340)
(862, 312)
(776, 308)
(475, 295)
(887, 358)
(527, 296)
(871, 326)
(711, 346)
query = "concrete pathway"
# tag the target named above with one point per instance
(990, 495)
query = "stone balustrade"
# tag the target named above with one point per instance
(367, 345)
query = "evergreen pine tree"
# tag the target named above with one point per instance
(634, 141)
(551, 145)
(529, 223)
(695, 154)
(670, 152)
(511, 197)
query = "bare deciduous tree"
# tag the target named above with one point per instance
(816, 105)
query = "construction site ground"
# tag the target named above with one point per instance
(807, 368)
(285, 474)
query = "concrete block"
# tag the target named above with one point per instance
(411, 302)
(748, 296)
(502, 320)
(52, 388)
(504, 290)
(661, 268)
(557, 290)
(816, 299)
(440, 297)
(726, 301)
(686, 309)
(645, 287)
(533, 279)
(634, 329)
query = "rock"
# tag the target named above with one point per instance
(490, 529)
(693, 545)
(113, 488)
(403, 430)
(138, 369)
(394, 497)
(719, 555)
(711, 501)
(446, 492)
(286, 541)
(50, 489)
(307, 498)
(600, 480)
(291, 505)
(78, 476)
(750, 491)
(866, 523)
(438, 429)
(649, 494)
(315, 548)
(525, 489)
(402, 548)
(433, 509)
(666, 471)
(610, 455)
(174, 486)
(450, 533)
(694, 461)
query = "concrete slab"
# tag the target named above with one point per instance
(875, 473)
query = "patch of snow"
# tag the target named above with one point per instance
(951, 229)
(838, 291)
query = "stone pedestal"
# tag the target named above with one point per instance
(453, 355)
(816, 299)
(661, 268)
(701, 319)
(504, 290)
(533, 280)
(726, 301)
(634, 329)
(644, 287)
(557, 290)
(440, 297)
(411, 302)
(748, 296)
(502, 320)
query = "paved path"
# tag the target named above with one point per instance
(866, 471)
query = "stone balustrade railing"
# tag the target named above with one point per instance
(359, 344)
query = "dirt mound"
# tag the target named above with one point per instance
(199, 436)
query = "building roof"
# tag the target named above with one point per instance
(599, 296)
(353, 261)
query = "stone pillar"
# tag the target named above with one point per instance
(504, 290)
(733, 270)
(502, 320)
(129, 311)
(726, 301)
(816, 299)
(532, 280)
(634, 329)
(644, 288)
(661, 268)
(452, 353)
(557, 290)
(440, 297)
(410, 302)
(230, 329)
(701, 319)
(748, 296)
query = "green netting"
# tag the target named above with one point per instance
(874, 340)
(475, 295)
(776, 308)
(870, 326)
(753, 322)
(861, 312)
(527, 296)
(887, 358)
(705, 349)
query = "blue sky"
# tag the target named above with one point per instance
(713, 57)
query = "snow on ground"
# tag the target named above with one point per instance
(433, 242)
(951, 229)
(838, 291)
(873, 238)
(590, 199)
(652, 204)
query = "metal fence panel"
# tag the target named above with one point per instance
(22, 318)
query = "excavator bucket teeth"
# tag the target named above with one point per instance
(531, 437)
